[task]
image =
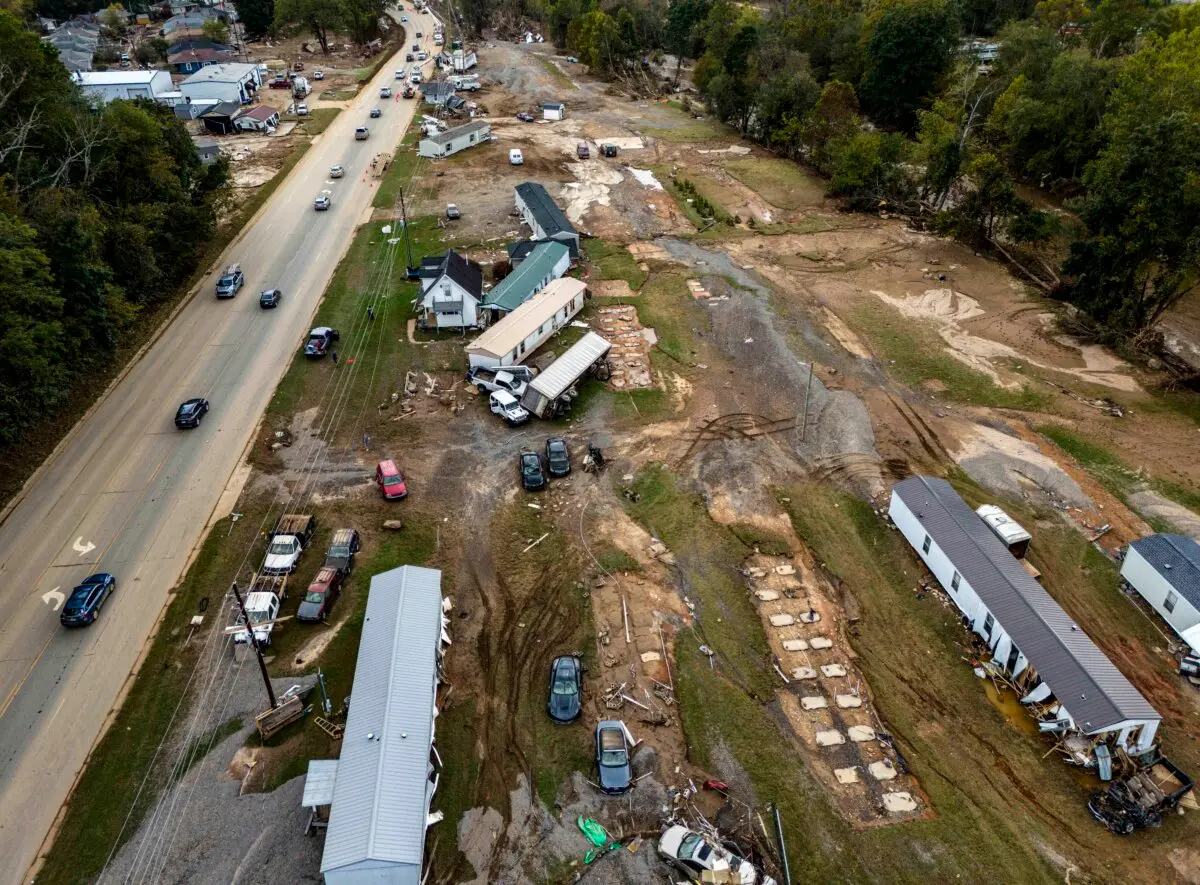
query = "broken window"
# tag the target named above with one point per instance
(988, 623)
(1013, 654)
(955, 581)
(925, 546)
(1169, 602)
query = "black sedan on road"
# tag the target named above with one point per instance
(566, 689)
(85, 600)
(269, 298)
(558, 456)
(190, 413)
(533, 474)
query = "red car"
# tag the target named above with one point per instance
(280, 83)
(390, 481)
(322, 593)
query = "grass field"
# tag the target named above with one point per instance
(613, 261)
(781, 183)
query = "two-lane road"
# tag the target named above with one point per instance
(127, 493)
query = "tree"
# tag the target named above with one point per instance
(360, 18)
(1055, 14)
(256, 16)
(868, 170)
(907, 53)
(216, 29)
(114, 18)
(318, 16)
(681, 35)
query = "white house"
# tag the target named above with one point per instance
(524, 330)
(1031, 638)
(106, 86)
(544, 217)
(1165, 570)
(443, 144)
(260, 118)
(553, 110)
(451, 287)
(232, 81)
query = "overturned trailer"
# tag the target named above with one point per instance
(550, 393)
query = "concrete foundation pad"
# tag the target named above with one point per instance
(804, 673)
(820, 642)
(848, 701)
(898, 803)
(795, 645)
(766, 595)
(846, 775)
(650, 656)
(782, 620)
(830, 738)
(832, 670)
(813, 703)
(882, 771)
(861, 733)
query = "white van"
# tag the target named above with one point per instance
(515, 157)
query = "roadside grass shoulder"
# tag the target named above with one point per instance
(319, 119)
(400, 174)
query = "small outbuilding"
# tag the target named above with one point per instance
(445, 144)
(554, 110)
(260, 118)
(218, 119)
(547, 261)
(543, 216)
(1165, 570)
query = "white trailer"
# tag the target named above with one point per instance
(550, 393)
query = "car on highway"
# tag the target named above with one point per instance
(558, 456)
(416, 47)
(533, 473)
(705, 860)
(421, 56)
(376, 113)
(410, 57)
(566, 689)
(318, 600)
(515, 157)
(342, 549)
(85, 600)
(385, 92)
(614, 772)
(404, 18)
(420, 34)
(269, 298)
(230, 282)
(361, 133)
(337, 171)
(320, 341)
(190, 412)
(322, 202)
(416, 78)
(390, 481)
(400, 74)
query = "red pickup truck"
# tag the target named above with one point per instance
(280, 83)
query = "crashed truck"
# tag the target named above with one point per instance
(551, 393)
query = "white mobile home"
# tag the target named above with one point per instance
(1031, 638)
(1165, 570)
(444, 144)
(524, 330)
(106, 86)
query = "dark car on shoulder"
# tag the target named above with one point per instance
(191, 412)
(85, 600)
(533, 474)
(558, 456)
(321, 594)
(566, 689)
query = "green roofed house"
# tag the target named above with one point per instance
(547, 261)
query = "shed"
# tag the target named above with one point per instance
(387, 773)
(553, 110)
(1031, 638)
(527, 327)
(547, 261)
(542, 214)
(444, 144)
(1165, 570)
(219, 118)
(230, 81)
(543, 392)
(208, 150)
(106, 86)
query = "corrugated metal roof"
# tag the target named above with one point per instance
(380, 799)
(229, 72)
(318, 783)
(516, 288)
(545, 211)
(444, 138)
(117, 78)
(1085, 682)
(565, 370)
(1177, 559)
(503, 337)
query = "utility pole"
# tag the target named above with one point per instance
(412, 271)
(262, 665)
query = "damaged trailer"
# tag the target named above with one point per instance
(550, 393)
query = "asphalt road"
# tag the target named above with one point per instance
(127, 493)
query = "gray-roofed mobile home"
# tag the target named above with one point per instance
(1165, 570)
(1029, 633)
(443, 144)
(383, 787)
(542, 214)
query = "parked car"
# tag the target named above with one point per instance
(533, 474)
(558, 456)
(302, 110)
(342, 549)
(704, 860)
(230, 282)
(504, 404)
(525, 118)
(291, 535)
(322, 202)
(280, 83)
(320, 341)
(190, 412)
(390, 481)
(452, 212)
(269, 298)
(362, 133)
(385, 91)
(582, 151)
(511, 378)
(614, 772)
(566, 689)
(376, 113)
(336, 171)
(318, 75)
(321, 594)
(86, 600)
(608, 150)
(515, 157)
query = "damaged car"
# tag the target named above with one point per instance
(703, 859)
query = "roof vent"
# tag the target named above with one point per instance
(404, 734)
(1167, 566)
(370, 735)
(1074, 628)
(1083, 697)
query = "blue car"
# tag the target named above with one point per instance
(86, 599)
(612, 757)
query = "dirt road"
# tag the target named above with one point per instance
(129, 494)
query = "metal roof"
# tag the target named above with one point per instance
(1177, 559)
(517, 288)
(318, 783)
(565, 370)
(503, 337)
(117, 78)
(229, 72)
(1085, 682)
(545, 211)
(443, 138)
(382, 793)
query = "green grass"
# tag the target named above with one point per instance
(457, 744)
(915, 355)
(781, 183)
(318, 120)
(556, 74)
(400, 173)
(613, 559)
(666, 305)
(768, 543)
(614, 262)
(690, 130)
(339, 94)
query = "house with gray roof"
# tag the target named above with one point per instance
(445, 144)
(1165, 570)
(1031, 638)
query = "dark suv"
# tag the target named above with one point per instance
(342, 548)
(533, 474)
(558, 456)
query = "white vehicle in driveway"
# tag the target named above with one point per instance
(302, 110)
(262, 607)
(516, 158)
(504, 404)
(704, 860)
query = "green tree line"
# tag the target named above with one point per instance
(104, 212)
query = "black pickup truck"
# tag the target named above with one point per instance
(1141, 799)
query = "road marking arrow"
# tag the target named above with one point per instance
(54, 598)
(81, 548)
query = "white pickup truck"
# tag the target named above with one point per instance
(512, 379)
(292, 533)
(262, 608)
(504, 404)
